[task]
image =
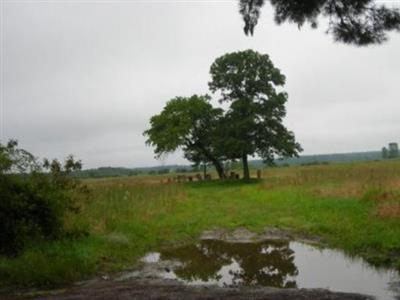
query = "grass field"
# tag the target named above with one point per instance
(354, 207)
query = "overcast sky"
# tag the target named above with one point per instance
(84, 77)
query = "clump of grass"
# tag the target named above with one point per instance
(389, 211)
(387, 202)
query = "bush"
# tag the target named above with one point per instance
(34, 197)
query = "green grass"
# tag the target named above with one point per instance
(344, 204)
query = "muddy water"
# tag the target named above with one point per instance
(273, 263)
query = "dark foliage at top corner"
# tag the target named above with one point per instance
(356, 22)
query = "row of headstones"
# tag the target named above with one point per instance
(198, 177)
(184, 178)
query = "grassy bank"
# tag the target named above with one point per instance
(355, 207)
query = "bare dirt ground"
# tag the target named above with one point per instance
(166, 289)
(242, 235)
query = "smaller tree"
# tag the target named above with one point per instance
(188, 124)
(385, 153)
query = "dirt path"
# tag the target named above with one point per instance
(164, 289)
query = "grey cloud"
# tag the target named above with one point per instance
(85, 78)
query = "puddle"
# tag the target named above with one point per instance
(270, 263)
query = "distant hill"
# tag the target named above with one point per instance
(325, 158)
(104, 172)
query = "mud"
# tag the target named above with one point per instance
(167, 289)
(243, 235)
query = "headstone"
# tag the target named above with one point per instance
(182, 178)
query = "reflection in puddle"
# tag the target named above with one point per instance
(280, 264)
(267, 264)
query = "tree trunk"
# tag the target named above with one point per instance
(220, 169)
(246, 172)
(217, 164)
(204, 170)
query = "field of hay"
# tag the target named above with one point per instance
(354, 207)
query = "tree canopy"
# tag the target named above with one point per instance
(251, 83)
(252, 125)
(357, 22)
(187, 123)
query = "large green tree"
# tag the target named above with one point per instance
(251, 84)
(358, 22)
(188, 124)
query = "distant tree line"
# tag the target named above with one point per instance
(252, 125)
(107, 172)
(104, 172)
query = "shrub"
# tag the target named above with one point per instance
(34, 197)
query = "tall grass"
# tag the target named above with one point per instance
(345, 204)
